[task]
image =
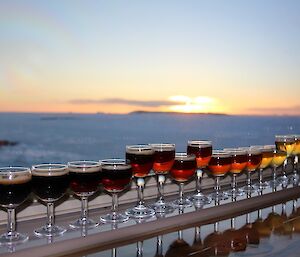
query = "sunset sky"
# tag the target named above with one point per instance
(237, 57)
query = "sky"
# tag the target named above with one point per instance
(235, 56)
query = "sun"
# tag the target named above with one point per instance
(199, 104)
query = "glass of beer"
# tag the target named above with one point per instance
(219, 165)
(202, 149)
(285, 143)
(141, 158)
(254, 157)
(84, 180)
(49, 184)
(164, 155)
(116, 177)
(238, 164)
(295, 155)
(15, 186)
(279, 158)
(182, 171)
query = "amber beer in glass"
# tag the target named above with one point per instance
(164, 155)
(238, 164)
(295, 157)
(84, 180)
(254, 157)
(141, 158)
(15, 186)
(202, 149)
(219, 165)
(116, 176)
(278, 160)
(183, 170)
(285, 143)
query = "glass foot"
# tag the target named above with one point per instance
(114, 218)
(294, 179)
(273, 183)
(87, 223)
(200, 199)
(13, 238)
(46, 231)
(249, 189)
(219, 196)
(260, 186)
(140, 212)
(235, 192)
(162, 207)
(182, 203)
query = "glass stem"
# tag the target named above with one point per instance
(139, 249)
(197, 235)
(84, 208)
(249, 179)
(181, 192)
(284, 167)
(274, 175)
(50, 215)
(114, 205)
(11, 219)
(217, 185)
(232, 223)
(180, 235)
(140, 193)
(159, 246)
(260, 173)
(234, 184)
(295, 165)
(216, 227)
(161, 181)
(199, 175)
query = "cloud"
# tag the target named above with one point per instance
(143, 103)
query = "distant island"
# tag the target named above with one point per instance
(179, 113)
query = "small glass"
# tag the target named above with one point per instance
(219, 165)
(141, 158)
(183, 170)
(84, 180)
(202, 149)
(116, 177)
(285, 143)
(295, 156)
(15, 183)
(254, 157)
(238, 164)
(49, 183)
(164, 155)
(278, 160)
(267, 157)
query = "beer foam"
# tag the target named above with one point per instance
(116, 166)
(200, 143)
(11, 175)
(47, 170)
(84, 166)
(184, 156)
(140, 151)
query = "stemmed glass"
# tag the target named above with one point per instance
(84, 180)
(202, 149)
(296, 154)
(219, 165)
(14, 189)
(285, 143)
(279, 158)
(254, 157)
(267, 157)
(141, 158)
(238, 164)
(164, 155)
(183, 170)
(116, 176)
(49, 183)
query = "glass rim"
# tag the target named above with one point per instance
(184, 156)
(114, 162)
(14, 169)
(216, 153)
(200, 142)
(162, 146)
(139, 148)
(83, 164)
(284, 138)
(262, 148)
(236, 151)
(49, 167)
